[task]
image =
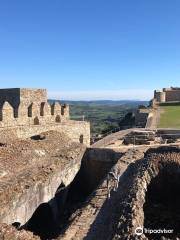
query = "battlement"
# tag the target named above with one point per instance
(21, 106)
(26, 112)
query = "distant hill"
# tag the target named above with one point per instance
(104, 102)
(104, 115)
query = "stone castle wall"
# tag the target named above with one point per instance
(167, 95)
(33, 114)
(173, 95)
(77, 131)
(15, 96)
(26, 112)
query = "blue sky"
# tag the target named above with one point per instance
(90, 49)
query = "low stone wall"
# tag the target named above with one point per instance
(76, 130)
(169, 133)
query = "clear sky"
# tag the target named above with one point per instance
(90, 49)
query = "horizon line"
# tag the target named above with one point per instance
(112, 95)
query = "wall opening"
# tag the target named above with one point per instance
(42, 109)
(81, 139)
(15, 112)
(62, 110)
(30, 110)
(52, 109)
(58, 119)
(36, 121)
(1, 115)
(161, 208)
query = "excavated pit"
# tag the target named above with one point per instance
(161, 208)
(150, 196)
(50, 219)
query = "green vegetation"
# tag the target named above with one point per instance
(170, 115)
(104, 116)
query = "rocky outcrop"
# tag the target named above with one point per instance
(31, 172)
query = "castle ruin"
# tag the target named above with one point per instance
(26, 112)
(171, 94)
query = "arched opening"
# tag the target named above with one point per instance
(162, 208)
(36, 121)
(81, 139)
(30, 110)
(58, 119)
(52, 109)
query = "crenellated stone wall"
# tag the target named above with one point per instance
(26, 112)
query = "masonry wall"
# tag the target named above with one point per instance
(34, 114)
(78, 131)
(172, 95)
(27, 96)
(141, 117)
(26, 112)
